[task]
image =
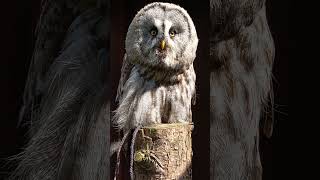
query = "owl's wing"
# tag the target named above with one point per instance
(125, 72)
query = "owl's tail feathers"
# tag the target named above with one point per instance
(114, 146)
(117, 147)
(133, 140)
(120, 145)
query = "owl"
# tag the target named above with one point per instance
(241, 60)
(157, 83)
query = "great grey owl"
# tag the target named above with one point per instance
(157, 81)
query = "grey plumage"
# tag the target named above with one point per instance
(156, 86)
(157, 79)
(66, 102)
(241, 59)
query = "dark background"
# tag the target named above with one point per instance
(17, 25)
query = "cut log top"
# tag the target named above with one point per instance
(163, 151)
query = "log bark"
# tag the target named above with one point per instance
(164, 151)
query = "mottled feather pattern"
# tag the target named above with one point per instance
(70, 136)
(240, 85)
(54, 21)
(125, 72)
(229, 16)
(147, 101)
(156, 86)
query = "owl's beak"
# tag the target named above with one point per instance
(162, 45)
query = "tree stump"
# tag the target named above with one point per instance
(164, 151)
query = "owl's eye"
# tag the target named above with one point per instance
(172, 33)
(153, 31)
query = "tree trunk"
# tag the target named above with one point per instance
(164, 151)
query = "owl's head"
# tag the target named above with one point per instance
(162, 35)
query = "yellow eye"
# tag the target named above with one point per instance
(153, 32)
(172, 33)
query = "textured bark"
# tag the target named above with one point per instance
(170, 145)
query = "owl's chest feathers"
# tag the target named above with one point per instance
(150, 101)
(164, 76)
